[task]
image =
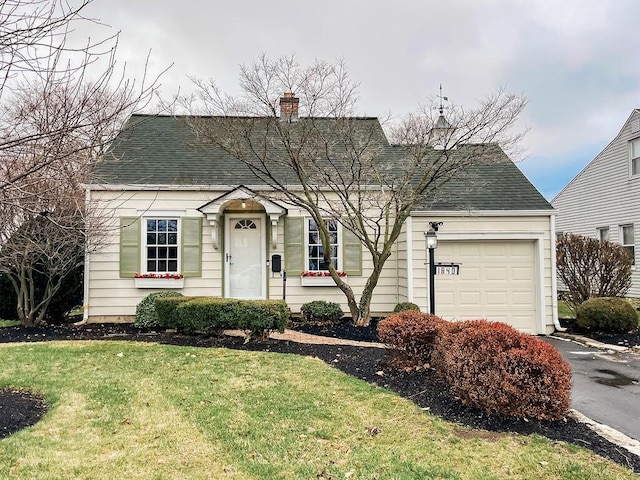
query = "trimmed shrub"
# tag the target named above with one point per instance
(321, 311)
(493, 367)
(205, 314)
(410, 336)
(212, 315)
(403, 306)
(166, 310)
(259, 317)
(607, 314)
(146, 316)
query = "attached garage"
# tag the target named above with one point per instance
(497, 281)
(505, 263)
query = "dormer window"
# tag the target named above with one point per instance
(634, 153)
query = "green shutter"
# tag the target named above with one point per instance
(294, 245)
(351, 253)
(129, 246)
(192, 246)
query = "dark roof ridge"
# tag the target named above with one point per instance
(166, 115)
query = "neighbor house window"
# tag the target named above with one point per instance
(634, 152)
(628, 240)
(161, 245)
(315, 251)
(603, 234)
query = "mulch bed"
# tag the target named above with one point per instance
(370, 364)
(19, 409)
(630, 339)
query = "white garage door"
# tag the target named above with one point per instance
(497, 281)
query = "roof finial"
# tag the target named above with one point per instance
(442, 122)
(442, 98)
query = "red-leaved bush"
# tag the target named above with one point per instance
(410, 336)
(494, 367)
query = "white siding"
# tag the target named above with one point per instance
(111, 298)
(114, 298)
(604, 194)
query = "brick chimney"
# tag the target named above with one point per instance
(289, 107)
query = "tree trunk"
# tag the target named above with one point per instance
(364, 307)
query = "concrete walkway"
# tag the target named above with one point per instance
(300, 337)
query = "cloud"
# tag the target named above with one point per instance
(576, 61)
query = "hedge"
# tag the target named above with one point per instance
(146, 313)
(166, 310)
(212, 314)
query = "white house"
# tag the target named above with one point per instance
(603, 200)
(201, 216)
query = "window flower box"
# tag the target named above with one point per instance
(319, 279)
(159, 280)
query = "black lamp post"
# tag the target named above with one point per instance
(432, 244)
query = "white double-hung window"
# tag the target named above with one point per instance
(161, 245)
(627, 236)
(603, 234)
(634, 155)
(315, 251)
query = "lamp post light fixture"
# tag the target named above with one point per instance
(432, 244)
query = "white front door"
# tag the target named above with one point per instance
(244, 257)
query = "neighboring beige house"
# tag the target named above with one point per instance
(603, 200)
(200, 215)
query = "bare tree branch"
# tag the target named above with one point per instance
(336, 165)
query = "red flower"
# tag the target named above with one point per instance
(320, 273)
(171, 276)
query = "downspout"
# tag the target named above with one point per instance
(85, 301)
(554, 276)
(409, 248)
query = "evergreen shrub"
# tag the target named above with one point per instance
(166, 310)
(146, 315)
(322, 312)
(211, 315)
(402, 306)
(607, 314)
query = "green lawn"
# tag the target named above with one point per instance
(564, 310)
(9, 323)
(146, 411)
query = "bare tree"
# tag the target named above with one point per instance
(589, 268)
(335, 166)
(61, 107)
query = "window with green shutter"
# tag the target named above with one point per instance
(294, 245)
(351, 253)
(192, 246)
(129, 246)
(304, 251)
(166, 245)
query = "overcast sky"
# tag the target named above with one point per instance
(577, 61)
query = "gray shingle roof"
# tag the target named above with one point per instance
(494, 183)
(163, 150)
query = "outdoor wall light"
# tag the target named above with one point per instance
(432, 244)
(432, 239)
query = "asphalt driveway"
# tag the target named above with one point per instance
(606, 385)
